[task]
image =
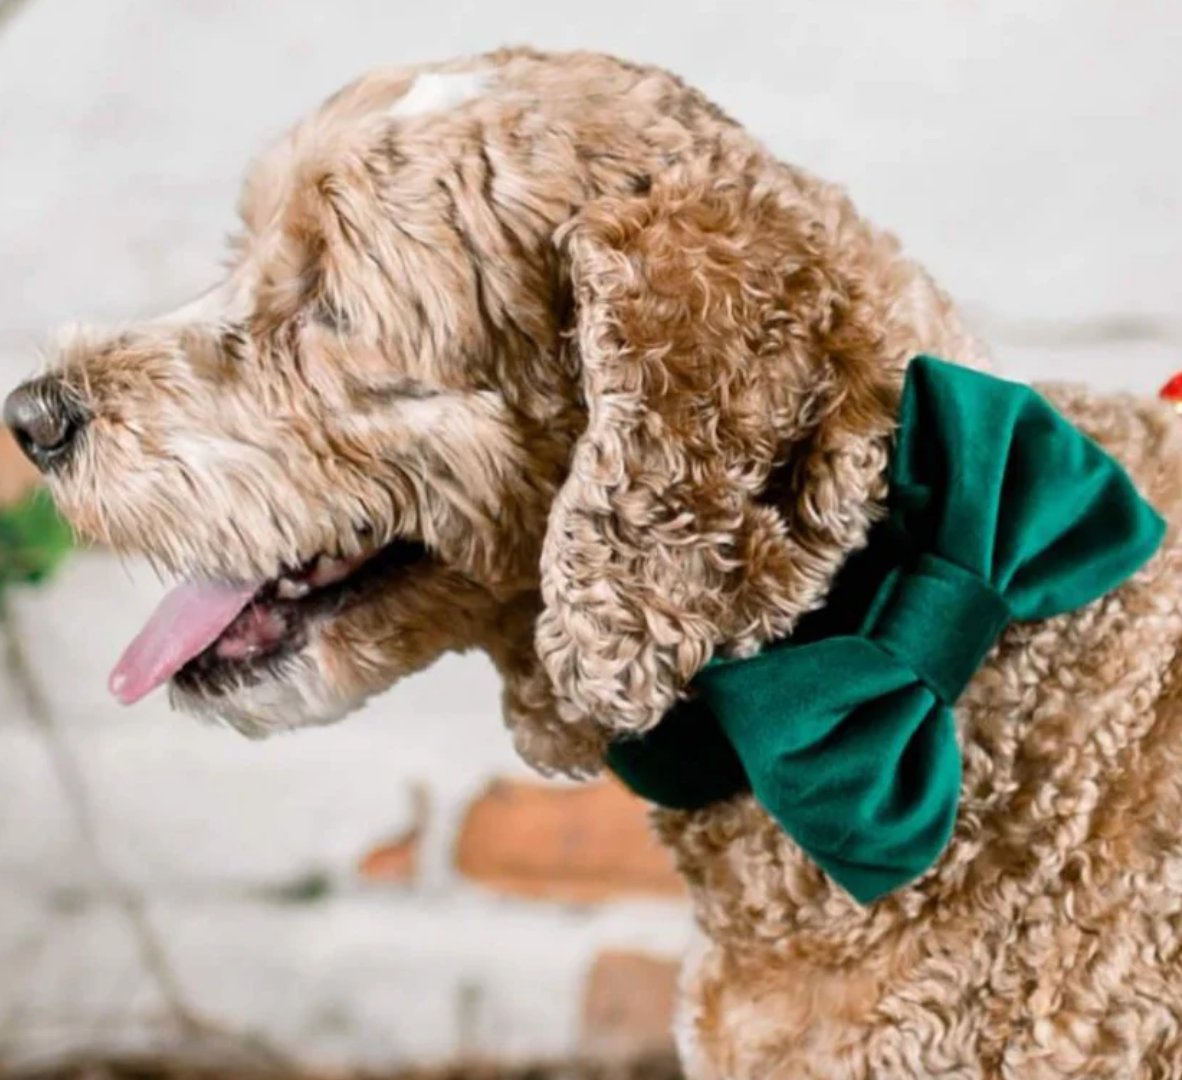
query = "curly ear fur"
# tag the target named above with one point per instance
(741, 344)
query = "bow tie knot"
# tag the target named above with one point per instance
(939, 621)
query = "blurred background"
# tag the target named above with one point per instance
(397, 891)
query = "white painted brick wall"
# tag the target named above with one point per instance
(1028, 152)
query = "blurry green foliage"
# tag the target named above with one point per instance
(33, 540)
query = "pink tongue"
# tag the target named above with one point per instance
(188, 620)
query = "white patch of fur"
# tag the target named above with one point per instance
(435, 91)
(467, 429)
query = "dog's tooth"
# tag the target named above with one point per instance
(328, 570)
(292, 590)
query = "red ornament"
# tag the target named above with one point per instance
(1172, 392)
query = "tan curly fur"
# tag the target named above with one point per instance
(632, 382)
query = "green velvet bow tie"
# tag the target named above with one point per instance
(999, 510)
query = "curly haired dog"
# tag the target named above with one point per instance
(547, 356)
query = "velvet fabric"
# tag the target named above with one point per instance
(999, 510)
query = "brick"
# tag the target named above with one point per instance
(628, 1004)
(396, 861)
(17, 475)
(580, 844)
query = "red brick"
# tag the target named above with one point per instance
(628, 1004)
(586, 843)
(396, 861)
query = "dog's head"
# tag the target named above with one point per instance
(543, 356)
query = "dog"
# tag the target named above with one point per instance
(545, 355)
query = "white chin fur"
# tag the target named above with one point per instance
(299, 697)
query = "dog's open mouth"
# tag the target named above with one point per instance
(203, 632)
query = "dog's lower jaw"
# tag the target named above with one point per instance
(297, 694)
(343, 659)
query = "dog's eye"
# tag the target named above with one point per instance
(235, 343)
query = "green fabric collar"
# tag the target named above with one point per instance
(999, 511)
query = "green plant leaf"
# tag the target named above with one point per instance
(34, 539)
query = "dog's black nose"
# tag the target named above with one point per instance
(45, 420)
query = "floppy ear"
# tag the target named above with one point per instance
(722, 349)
